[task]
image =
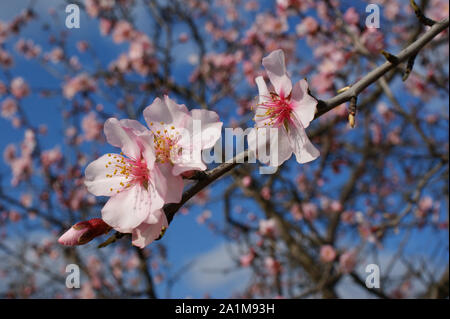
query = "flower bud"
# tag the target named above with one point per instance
(83, 232)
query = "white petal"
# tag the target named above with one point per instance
(168, 186)
(211, 127)
(148, 232)
(127, 209)
(167, 112)
(96, 179)
(302, 147)
(304, 104)
(121, 137)
(275, 67)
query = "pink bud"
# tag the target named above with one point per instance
(83, 232)
(246, 181)
(327, 253)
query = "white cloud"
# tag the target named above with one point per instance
(217, 269)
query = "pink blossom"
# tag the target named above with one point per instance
(9, 108)
(347, 261)
(351, 16)
(92, 128)
(392, 9)
(288, 109)
(265, 193)
(268, 227)
(87, 291)
(335, 206)
(309, 211)
(9, 153)
(22, 168)
(82, 46)
(373, 40)
(14, 216)
(183, 37)
(6, 59)
(26, 200)
(273, 266)
(247, 259)
(296, 212)
(94, 7)
(83, 232)
(19, 88)
(138, 188)
(80, 83)
(426, 203)
(246, 181)
(28, 48)
(327, 253)
(308, 26)
(322, 82)
(56, 55)
(180, 135)
(123, 31)
(105, 26)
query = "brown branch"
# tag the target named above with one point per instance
(374, 75)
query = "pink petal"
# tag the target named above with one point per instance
(96, 180)
(136, 127)
(127, 209)
(281, 142)
(181, 167)
(302, 147)
(304, 104)
(147, 233)
(167, 112)
(211, 127)
(168, 186)
(264, 95)
(71, 237)
(118, 136)
(276, 70)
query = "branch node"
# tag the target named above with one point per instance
(342, 89)
(390, 57)
(419, 14)
(352, 112)
(409, 67)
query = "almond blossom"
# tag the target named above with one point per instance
(288, 108)
(138, 189)
(180, 135)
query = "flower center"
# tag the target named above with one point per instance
(278, 110)
(165, 142)
(134, 171)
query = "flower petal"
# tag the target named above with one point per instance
(181, 167)
(168, 186)
(263, 91)
(275, 67)
(302, 147)
(146, 233)
(127, 209)
(100, 179)
(304, 104)
(118, 136)
(167, 112)
(134, 125)
(211, 127)
(279, 143)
